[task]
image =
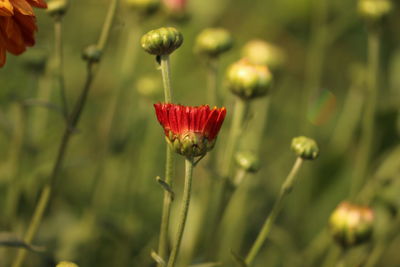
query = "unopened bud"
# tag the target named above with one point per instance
(263, 53)
(373, 10)
(57, 7)
(248, 80)
(305, 148)
(92, 54)
(213, 41)
(144, 6)
(149, 87)
(248, 161)
(351, 224)
(66, 264)
(162, 41)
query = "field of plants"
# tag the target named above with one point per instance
(199, 133)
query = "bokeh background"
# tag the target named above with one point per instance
(107, 204)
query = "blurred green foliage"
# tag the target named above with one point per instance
(107, 204)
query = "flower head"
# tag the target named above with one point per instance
(162, 41)
(212, 42)
(17, 26)
(190, 131)
(351, 224)
(248, 80)
(175, 6)
(305, 148)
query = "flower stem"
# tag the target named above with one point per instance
(184, 211)
(169, 166)
(58, 51)
(166, 76)
(212, 80)
(368, 120)
(241, 107)
(73, 120)
(266, 229)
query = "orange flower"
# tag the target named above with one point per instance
(17, 26)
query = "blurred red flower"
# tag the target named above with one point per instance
(17, 26)
(176, 6)
(191, 131)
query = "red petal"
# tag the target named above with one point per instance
(172, 118)
(38, 3)
(14, 41)
(212, 117)
(2, 54)
(218, 123)
(27, 25)
(6, 8)
(193, 115)
(22, 6)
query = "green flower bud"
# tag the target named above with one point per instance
(351, 224)
(144, 6)
(374, 9)
(92, 54)
(213, 41)
(149, 87)
(66, 264)
(263, 53)
(162, 41)
(305, 147)
(57, 7)
(248, 161)
(191, 144)
(248, 80)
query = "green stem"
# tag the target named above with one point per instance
(368, 120)
(285, 189)
(73, 120)
(212, 80)
(169, 166)
(316, 54)
(184, 211)
(58, 50)
(166, 76)
(240, 110)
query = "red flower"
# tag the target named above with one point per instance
(191, 131)
(175, 6)
(17, 26)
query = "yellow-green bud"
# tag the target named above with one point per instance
(162, 41)
(144, 6)
(263, 53)
(92, 54)
(248, 80)
(213, 41)
(149, 87)
(248, 161)
(57, 7)
(351, 224)
(374, 9)
(66, 264)
(305, 148)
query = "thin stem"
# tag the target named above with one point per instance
(240, 111)
(368, 120)
(167, 201)
(212, 80)
(316, 54)
(169, 166)
(58, 50)
(263, 235)
(342, 259)
(184, 211)
(73, 120)
(166, 76)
